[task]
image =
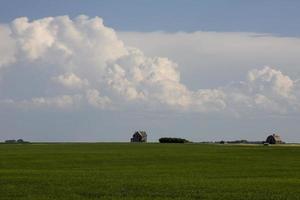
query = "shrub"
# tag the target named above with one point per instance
(172, 140)
(10, 141)
(19, 141)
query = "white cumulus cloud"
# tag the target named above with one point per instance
(82, 62)
(71, 80)
(7, 46)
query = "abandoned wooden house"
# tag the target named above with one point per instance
(274, 139)
(139, 136)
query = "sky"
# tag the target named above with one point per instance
(99, 70)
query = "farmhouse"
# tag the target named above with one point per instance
(139, 136)
(274, 139)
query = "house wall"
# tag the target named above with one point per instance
(138, 138)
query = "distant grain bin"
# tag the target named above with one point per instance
(274, 139)
(139, 136)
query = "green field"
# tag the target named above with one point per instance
(148, 171)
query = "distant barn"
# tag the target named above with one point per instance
(274, 139)
(139, 136)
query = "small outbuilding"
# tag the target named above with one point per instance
(139, 136)
(274, 139)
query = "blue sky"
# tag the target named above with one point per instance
(203, 70)
(277, 16)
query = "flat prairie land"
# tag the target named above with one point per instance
(71, 171)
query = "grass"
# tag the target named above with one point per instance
(148, 171)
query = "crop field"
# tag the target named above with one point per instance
(72, 171)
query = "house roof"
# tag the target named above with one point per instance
(276, 137)
(142, 133)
